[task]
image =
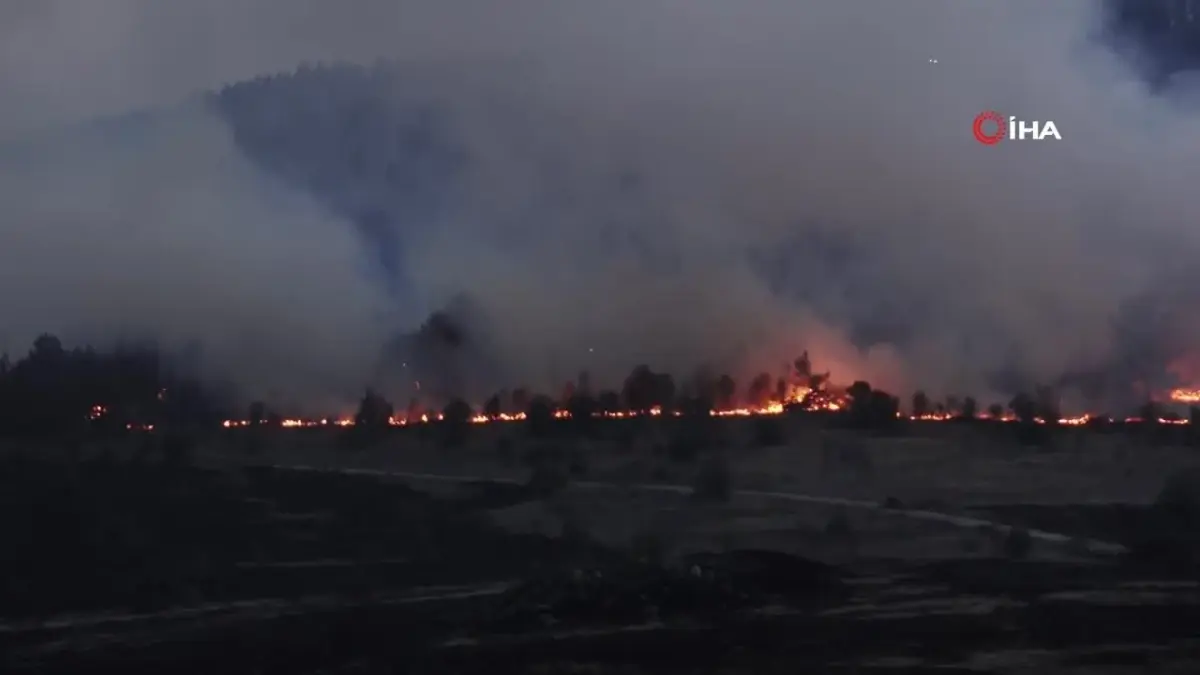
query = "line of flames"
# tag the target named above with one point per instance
(395, 421)
(1190, 396)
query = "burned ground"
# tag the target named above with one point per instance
(230, 562)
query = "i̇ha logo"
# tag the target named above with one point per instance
(991, 127)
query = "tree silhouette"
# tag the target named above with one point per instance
(1046, 400)
(884, 409)
(872, 409)
(664, 391)
(920, 404)
(759, 393)
(521, 398)
(540, 416)
(803, 366)
(644, 389)
(953, 405)
(1023, 408)
(609, 401)
(46, 348)
(582, 407)
(491, 408)
(1150, 412)
(456, 422)
(859, 392)
(970, 408)
(257, 413)
(726, 389)
(53, 391)
(374, 412)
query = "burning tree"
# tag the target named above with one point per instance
(803, 366)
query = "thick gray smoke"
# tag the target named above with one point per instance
(634, 168)
(174, 237)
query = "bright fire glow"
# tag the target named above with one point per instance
(1184, 395)
(800, 398)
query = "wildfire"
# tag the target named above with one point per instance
(799, 400)
(821, 399)
(765, 411)
(1185, 395)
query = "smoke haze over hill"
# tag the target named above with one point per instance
(662, 181)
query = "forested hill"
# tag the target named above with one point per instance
(355, 137)
(1165, 33)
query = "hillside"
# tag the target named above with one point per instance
(341, 134)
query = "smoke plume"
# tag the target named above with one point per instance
(658, 181)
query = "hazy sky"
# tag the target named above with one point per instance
(747, 125)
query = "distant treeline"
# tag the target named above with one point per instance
(55, 390)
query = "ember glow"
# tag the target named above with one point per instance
(821, 397)
(766, 411)
(1184, 395)
(800, 400)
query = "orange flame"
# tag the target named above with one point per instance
(799, 398)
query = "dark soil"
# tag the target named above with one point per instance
(335, 573)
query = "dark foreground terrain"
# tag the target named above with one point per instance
(151, 567)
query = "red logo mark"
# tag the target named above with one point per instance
(984, 136)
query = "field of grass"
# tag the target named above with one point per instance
(307, 552)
